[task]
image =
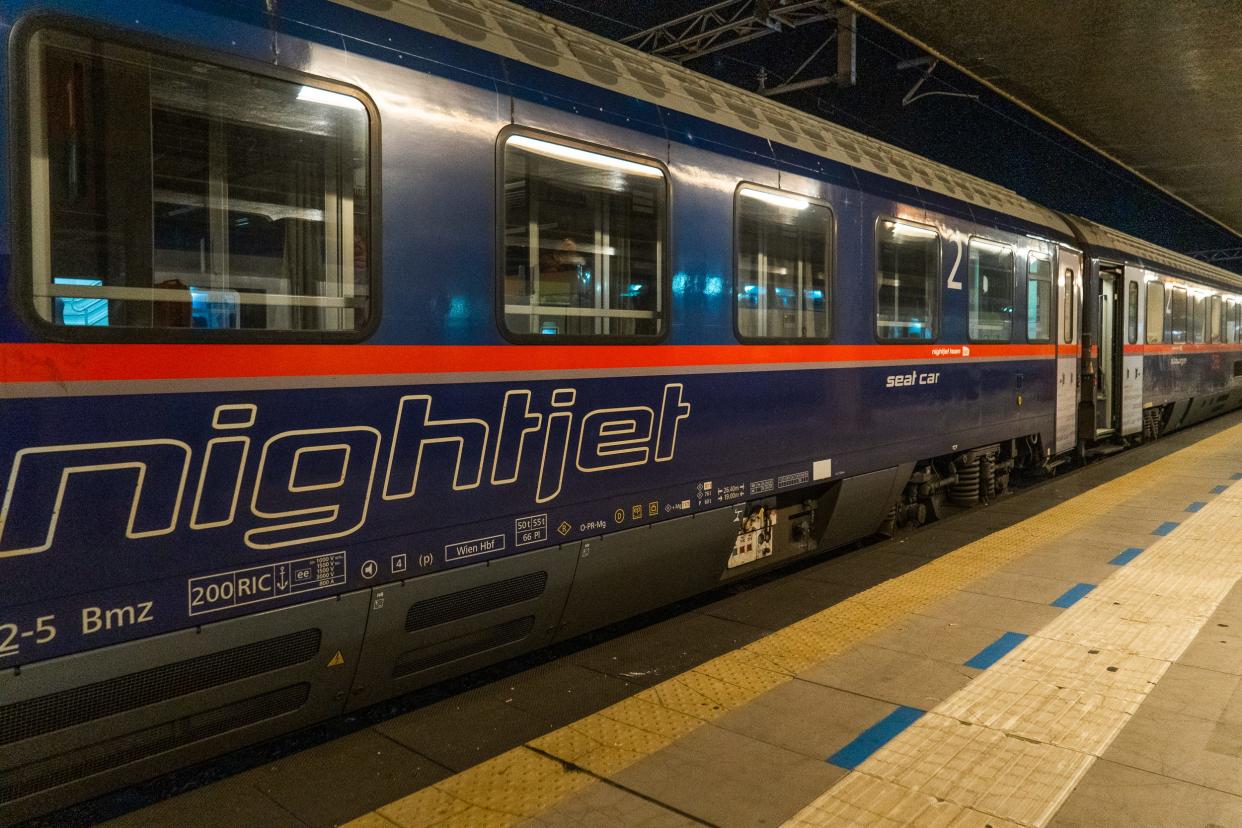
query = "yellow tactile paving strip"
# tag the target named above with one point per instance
(527, 780)
(1014, 742)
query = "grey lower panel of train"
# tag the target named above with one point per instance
(159, 703)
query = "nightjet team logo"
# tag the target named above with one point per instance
(316, 484)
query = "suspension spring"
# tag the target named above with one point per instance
(965, 492)
(987, 478)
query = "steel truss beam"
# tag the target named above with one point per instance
(726, 24)
(1224, 254)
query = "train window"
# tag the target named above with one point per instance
(1069, 294)
(583, 242)
(990, 291)
(1199, 318)
(1177, 314)
(1038, 298)
(907, 276)
(1132, 314)
(1237, 321)
(1214, 325)
(1155, 313)
(171, 193)
(784, 256)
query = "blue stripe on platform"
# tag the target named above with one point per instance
(1126, 556)
(875, 737)
(1072, 595)
(995, 651)
(1165, 528)
(1196, 506)
(1219, 489)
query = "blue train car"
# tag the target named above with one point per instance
(351, 346)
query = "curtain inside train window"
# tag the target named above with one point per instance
(783, 268)
(1155, 313)
(907, 276)
(583, 242)
(168, 193)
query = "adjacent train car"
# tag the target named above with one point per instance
(1164, 338)
(349, 346)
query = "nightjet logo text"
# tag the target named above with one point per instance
(315, 484)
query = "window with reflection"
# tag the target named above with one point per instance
(1038, 298)
(172, 193)
(583, 242)
(990, 290)
(1155, 313)
(784, 261)
(1177, 314)
(1199, 317)
(907, 275)
(1132, 312)
(1214, 325)
(1070, 297)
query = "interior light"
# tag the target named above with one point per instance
(322, 96)
(579, 156)
(911, 231)
(775, 199)
(989, 246)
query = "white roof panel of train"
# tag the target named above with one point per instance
(1097, 235)
(515, 32)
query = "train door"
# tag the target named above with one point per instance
(1133, 336)
(1069, 309)
(1106, 354)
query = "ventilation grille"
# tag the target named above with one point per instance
(458, 605)
(442, 652)
(114, 753)
(55, 711)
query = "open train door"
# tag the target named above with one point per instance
(1135, 309)
(1069, 329)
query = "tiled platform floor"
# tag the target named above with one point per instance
(729, 712)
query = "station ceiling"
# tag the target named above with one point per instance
(1153, 84)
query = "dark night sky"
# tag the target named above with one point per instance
(988, 137)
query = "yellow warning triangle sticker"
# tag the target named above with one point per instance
(337, 660)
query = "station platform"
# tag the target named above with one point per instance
(1068, 656)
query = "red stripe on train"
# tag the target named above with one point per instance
(1185, 348)
(49, 362)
